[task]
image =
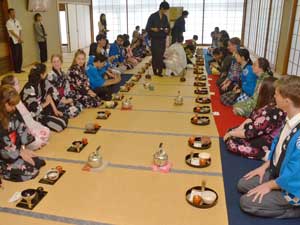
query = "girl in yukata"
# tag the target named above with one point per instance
(17, 163)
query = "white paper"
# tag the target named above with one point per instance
(209, 78)
(216, 113)
(197, 144)
(195, 161)
(16, 196)
(212, 93)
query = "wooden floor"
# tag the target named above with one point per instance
(127, 191)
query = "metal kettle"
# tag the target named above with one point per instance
(95, 159)
(160, 158)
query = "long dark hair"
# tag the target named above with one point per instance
(34, 77)
(102, 20)
(245, 53)
(266, 92)
(264, 64)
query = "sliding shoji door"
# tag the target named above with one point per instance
(274, 31)
(294, 62)
(247, 23)
(253, 25)
(262, 27)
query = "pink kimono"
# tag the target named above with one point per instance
(40, 132)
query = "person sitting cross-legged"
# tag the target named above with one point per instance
(273, 189)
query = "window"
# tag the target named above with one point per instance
(274, 31)
(262, 27)
(226, 14)
(256, 27)
(115, 11)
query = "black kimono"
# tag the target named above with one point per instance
(158, 40)
(178, 29)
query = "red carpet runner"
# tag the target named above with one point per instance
(226, 119)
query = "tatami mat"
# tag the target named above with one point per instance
(127, 192)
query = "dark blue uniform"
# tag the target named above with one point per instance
(158, 40)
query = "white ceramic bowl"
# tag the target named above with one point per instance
(208, 197)
(204, 155)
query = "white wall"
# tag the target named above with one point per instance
(51, 23)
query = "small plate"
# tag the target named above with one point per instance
(202, 109)
(196, 157)
(197, 144)
(111, 107)
(45, 180)
(203, 206)
(202, 121)
(124, 89)
(203, 100)
(74, 149)
(103, 115)
(94, 131)
(117, 97)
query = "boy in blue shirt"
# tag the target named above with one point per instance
(116, 50)
(100, 78)
(273, 189)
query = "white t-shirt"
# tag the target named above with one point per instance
(289, 126)
(15, 26)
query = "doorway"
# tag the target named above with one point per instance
(5, 56)
(75, 26)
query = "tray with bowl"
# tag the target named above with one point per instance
(124, 88)
(200, 78)
(130, 84)
(92, 128)
(200, 120)
(110, 104)
(52, 176)
(199, 84)
(198, 160)
(78, 146)
(103, 115)
(203, 100)
(31, 197)
(201, 197)
(117, 97)
(202, 109)
(201, 91)
(200, 142)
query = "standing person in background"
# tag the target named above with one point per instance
(41, 35)
(179, 27)
(136, 34)
(15, 35)
(158, 28)
(102, 24)
(215, 37)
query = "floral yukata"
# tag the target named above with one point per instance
(259, 133)
(12, 166)
(80, 84)
(59, 87)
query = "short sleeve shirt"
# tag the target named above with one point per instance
(15, 26)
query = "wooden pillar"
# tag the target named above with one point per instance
(285, 39)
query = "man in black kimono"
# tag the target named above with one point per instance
(179, 27)
(158, 28)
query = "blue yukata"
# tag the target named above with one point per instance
(248, 80)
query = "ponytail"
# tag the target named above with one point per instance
(264, 64)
